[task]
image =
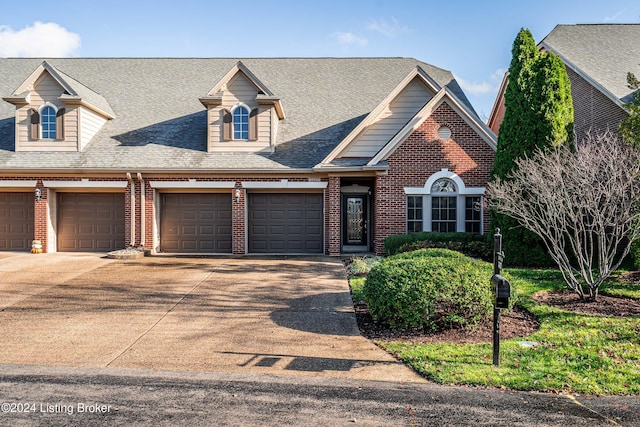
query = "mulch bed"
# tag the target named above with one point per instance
(604, 306)
(516, 323)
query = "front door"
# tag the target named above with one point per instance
(355, 220)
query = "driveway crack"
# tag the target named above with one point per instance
(204, 279)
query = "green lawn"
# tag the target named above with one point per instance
(576, 353)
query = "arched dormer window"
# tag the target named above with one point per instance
(240, 123)
(47, 122)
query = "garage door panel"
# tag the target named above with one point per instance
(286, 223)
(90, 222)
(16, 218)
(196, 223)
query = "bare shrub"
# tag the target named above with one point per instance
(583, 202)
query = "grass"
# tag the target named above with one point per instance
(576, 352)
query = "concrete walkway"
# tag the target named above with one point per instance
(276, 316)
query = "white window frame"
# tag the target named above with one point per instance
(55, 113)
(461, 194)
(233, 122)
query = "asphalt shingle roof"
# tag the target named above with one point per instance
(161, 125)
(605, 52)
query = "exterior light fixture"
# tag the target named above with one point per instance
(237, 195)
(38, 194)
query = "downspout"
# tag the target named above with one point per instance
(132, 209)
(143, 208)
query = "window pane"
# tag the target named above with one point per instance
(240, 123)
(414, 214)
(472, 214)
(443, 214)
(48, 122)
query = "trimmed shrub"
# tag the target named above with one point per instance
(360, 266)
(430, 252)
(473, 245)
(430, 292)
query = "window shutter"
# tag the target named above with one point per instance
(253, 125)
(227, 123)
(35, 124)
(60, 124)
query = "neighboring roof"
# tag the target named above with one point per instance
(601, 53)
(160, 124)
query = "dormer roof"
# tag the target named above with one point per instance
(74, 91)
(265, 96)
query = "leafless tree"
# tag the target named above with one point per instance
(583, 202)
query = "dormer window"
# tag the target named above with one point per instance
(240, 123)
(48, 122)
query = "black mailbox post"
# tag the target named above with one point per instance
(501, 290)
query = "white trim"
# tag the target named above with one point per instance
(45, 105)
(375, 113)
(85, 183)
(416, 121)
(283, 184)
(18, 184)
(192, 184)
(460, 195)
(444, 173)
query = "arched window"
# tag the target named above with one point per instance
(48, 122)
(240, 123)
(444, 204)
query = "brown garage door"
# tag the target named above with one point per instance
(16, 221)
(286, 223)
(90, 222)
(196, 223)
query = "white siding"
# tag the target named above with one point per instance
(408, 102)
(240, 90)
(90, 124)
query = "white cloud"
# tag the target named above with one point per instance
(488, 86)
(615, 16)
(387, 29)
(46, 39)
(349, 38)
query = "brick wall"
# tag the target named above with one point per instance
(422, 155)
(592, 110)
(332, 216)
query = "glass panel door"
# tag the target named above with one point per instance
(355, 220)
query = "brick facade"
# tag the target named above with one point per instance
(422, 155)
(593, 111)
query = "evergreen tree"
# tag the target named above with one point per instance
(538, 114)
(630, 127)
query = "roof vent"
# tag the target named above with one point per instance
(444, 133)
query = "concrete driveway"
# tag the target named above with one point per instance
(280, 315)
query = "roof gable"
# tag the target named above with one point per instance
(444, 95)
(74, 91)
(375, 115)
(264, 95)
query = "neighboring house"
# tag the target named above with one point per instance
(597, 58)
(276, 156)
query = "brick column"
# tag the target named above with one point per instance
(40, 209)
(333, 213)
(238, 220)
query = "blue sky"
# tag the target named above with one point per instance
(471, 38)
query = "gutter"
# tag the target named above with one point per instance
(132, 208)
(142, 208)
